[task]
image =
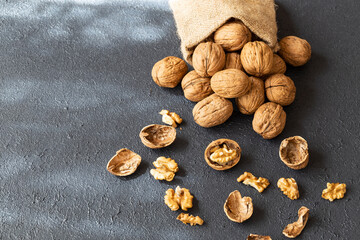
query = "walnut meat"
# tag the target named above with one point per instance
(169, 71)
(233, 61)
(208, 58)
(222, 154)
(170, 118)
(212, 111)
(294, 229)
(279, 65)
(257, 58)
(232, 36)
(230, 83)
(195, 87)
(294, 152)
(124, 163)
(289, 187)
(181, 197)
(334, 191)
(157, 136)
(253, 99)
(165, 169)
(258, 183)
(186, 218)
(280, 89)
(237, 208)
(258, 237)
(295, 51)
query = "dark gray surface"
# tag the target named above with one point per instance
(75, 87)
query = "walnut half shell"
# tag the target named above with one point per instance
(237, 208)
(228, 151)
(157, 136)
(294, 152)
(124, 163)
(294, 229)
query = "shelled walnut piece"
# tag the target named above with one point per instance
(293, 230)
(186, 218)
(289, 187)
(124, 163)
(181, 197)
(258, 237)
(237, 208)
(157, 136)
(165, 169)
(222, 154)
(334, 191)
(258, 183)
(170, 118)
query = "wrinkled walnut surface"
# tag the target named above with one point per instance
(257, 58)
(195, 87)
(258, 237)
(208, 58)
(289, 187)
(334, 191)
(157, 136)
(165, 169)
(222, 164)
(170, 118)
(259, 184)
(230, 83)
(233, 61)
(124, 163)
(186, 218)
(232, 36)
(237, 208)
(181, 197)
(253, 99)
(293, 230)
(279, 65)
(294, 152)
(169, 71)
(294, 50)
(280, 89)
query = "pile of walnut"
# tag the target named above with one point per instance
(234, 63)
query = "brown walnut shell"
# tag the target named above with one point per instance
(280, 89)
(208, 58)
(237, 208)
(195, 87)
(212, 111)
(231, 145)
(258, 237)
(279, 65)
(232, 36)
(269, 120)
(253, 99)
(157, 136)
(233, 61)
(124, 163)
(294, 152)
(257, 58)
(295, 51)
(294, 229)
(230, 83)
(169, 71)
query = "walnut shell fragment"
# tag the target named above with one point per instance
(195, 87)
(157, 136)
(124, 163)
(237, 208)
(294, 50)
(232, 36)
(230, 83)
(294, 229)
(169, 71)
(222, 154)
(294, 152)
(258, 237)
(208, 58)
(253, 99)
(280, 89)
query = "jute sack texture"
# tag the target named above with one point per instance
(196, 20)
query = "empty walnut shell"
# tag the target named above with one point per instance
(208, 58)
(237, 208)
(294, 152)
(294, 50)
(169, 71)
(157, 136)
(231, 145)
(280, 89)
(124, 163)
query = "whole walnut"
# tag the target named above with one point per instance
(208, 58)
(295, 51)
(269, 120)
(232, 36)
(169, 71)
(233, 61)
(195, 87)
(253, 99)
(279, 65)
(257, 58)
(230, 83)
(212, 111)
(280, 89)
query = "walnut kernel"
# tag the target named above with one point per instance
(280, 89)
(186, 218)
(170, 118)
(222, 154)
(237, 208)
(195, 87)
(157, 136)
(258, 183)
(181, 197)
(165, 169)
(334, 191)
(169, 71)
(293, 230)
(230, 83)
(295, 51)
(232, 36)
(253, 99)
(289, 187)
(294, 152)
(208, 58)
(124, 163)
(257, 58)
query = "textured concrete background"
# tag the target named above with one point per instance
(75, 87)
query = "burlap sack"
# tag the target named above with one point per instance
(196, 20)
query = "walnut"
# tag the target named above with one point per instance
(257, 58)
(269, 120)
(124, 163)
(294, 229)
(181, 197)
(258, 183)
(157, 136)
(294, 152)
(165, 169)
(222, 154)
(212, 111)
(295, 51)
(195, 87)
(289, 187)
(334, 191)
(233, 61)
(237, 208)
(253, 99)
(186, 218)
(232, 36)
(258, 237)
(280, 89)
(230, 83)
(170, 118)
(279, 65)
(208, 58)
(169, 71)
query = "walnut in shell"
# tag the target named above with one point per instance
(169, 71)
(294, 152)
(269, 120)
(157, 136)
(257, 58)
(195, 87)
(124, 163)
(222, 154)
(232, 36)
(279, 65)
(280, 89)
(237, 208)
(294, 229)
(295, 51)
(253, 99)
(208, 58)
(212, 111)
(230, 83)
(233, 61)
